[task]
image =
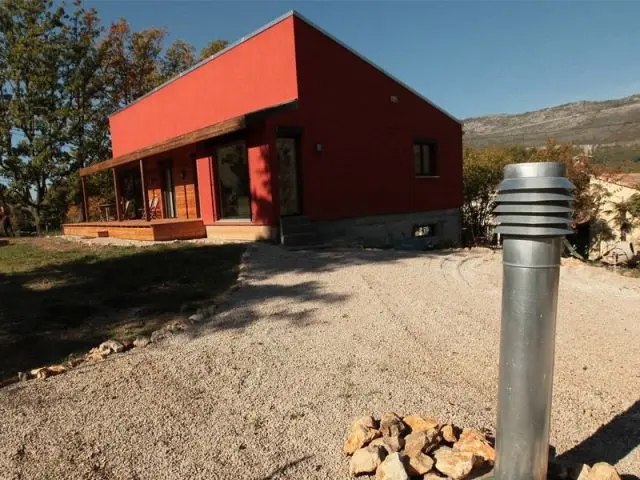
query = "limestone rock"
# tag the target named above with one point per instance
(585, 470)
(366, 460)
(418, 464)
(393, 444)
(418, 423)
(45, 372)
(433, 476)
(414, 443)
(453, 463)
(379, 442)
(361, 432)
(96, 355)
(391, 425)
(603, 471)
(141, 341)
(23, 377)
(160, 334)
(474, 442)
(449, 433)
(392, 469)
(196, 317)
(111, 346)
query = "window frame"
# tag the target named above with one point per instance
(215, 171)
(432, 145)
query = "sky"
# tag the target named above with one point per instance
(471, 58)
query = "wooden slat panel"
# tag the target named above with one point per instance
(215, 130)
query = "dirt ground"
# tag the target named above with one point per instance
(266, 389)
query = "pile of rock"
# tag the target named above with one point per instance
(415, 446)
(395, 448)
(109, 347)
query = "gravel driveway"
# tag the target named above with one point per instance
(267, 389)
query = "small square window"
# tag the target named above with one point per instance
(424, 158)
(428, 230)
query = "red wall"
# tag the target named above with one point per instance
(366, 167)
(253, 75)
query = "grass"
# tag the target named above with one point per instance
(59, 297)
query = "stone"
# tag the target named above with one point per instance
(379, 442)
(159, 335)
(418, 464)
(454, 464)
(96, 355)
(418, 423)
(366, 460)
(391, 425)
(141, 341)
(393, 444)
(23, 377)
(414, 443)
(45, 372)
(584, 472)
(392, 469)
(449, 433)
(127, 344)
(111, 346)
(196, 317)
(361, 432)
(433, 476)
(603, 471)
(474, 441)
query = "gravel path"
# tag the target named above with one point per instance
(267, 389)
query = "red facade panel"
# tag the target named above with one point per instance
(366, 164)
(253, 75)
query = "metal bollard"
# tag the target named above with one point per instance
(533, 215)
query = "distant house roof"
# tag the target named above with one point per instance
(630, 180)
(291, 13)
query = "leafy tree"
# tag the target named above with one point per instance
(131, 62)
(212, 48)
(179, 57)
(32, 56)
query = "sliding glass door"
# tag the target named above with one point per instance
(233, 181)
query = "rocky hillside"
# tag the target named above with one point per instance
(610, 122)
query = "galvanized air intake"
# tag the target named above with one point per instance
(534, 200)
(533, 215)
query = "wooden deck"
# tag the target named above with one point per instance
(158, 230)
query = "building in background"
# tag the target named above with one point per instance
(284, 134)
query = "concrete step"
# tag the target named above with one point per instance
(299, 239)
(297, 230)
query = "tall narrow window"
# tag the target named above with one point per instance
(424, 158)
(233, 181)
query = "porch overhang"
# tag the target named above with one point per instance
(206, 133)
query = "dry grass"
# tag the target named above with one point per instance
(60, 297)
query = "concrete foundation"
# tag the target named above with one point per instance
(392, 229)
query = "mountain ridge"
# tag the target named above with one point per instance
(591, 122)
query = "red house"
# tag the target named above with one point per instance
(286, 132)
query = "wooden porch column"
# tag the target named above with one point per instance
(145, 199)
(85, 200)
(116, 189)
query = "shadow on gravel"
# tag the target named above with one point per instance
(281, 470)
(267, 261)
(59, 298)
(610, 443)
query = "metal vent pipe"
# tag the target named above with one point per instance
(533, 213)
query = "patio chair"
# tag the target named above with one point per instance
(128, 212)
(153, 208)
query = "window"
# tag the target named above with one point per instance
(424, 158)
(233, 179)
(428, 230)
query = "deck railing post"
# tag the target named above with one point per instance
(85, 200)
(116, 190)
(145, 199)
(533, 215)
